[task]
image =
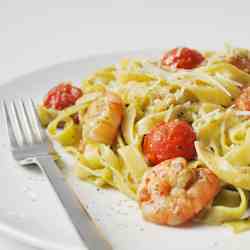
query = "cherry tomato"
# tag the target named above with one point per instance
(62, 96)
(169, 140)
(243, 101)
(182, 58)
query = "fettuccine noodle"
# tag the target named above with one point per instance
(203, 96)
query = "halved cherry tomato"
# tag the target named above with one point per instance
(169, 140)
(243, 101)
(62, 96)
(182, 58)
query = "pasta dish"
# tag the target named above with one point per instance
(171, 133)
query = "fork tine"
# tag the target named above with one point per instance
(34, 118)
(28, 122)
(21, 122)
(12, 137)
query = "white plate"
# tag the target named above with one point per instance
(31, 212)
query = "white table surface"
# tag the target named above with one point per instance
(35, 34)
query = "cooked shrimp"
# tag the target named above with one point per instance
(171, 193)
(243, 101)
(103, 118)
(240, 58)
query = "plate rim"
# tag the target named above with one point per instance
(79, 59)
(17, 234)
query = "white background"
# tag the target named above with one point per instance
(35, 34)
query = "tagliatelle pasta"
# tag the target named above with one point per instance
(146, 93)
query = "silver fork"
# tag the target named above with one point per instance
(29, 145)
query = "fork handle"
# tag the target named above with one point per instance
(84, 225)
